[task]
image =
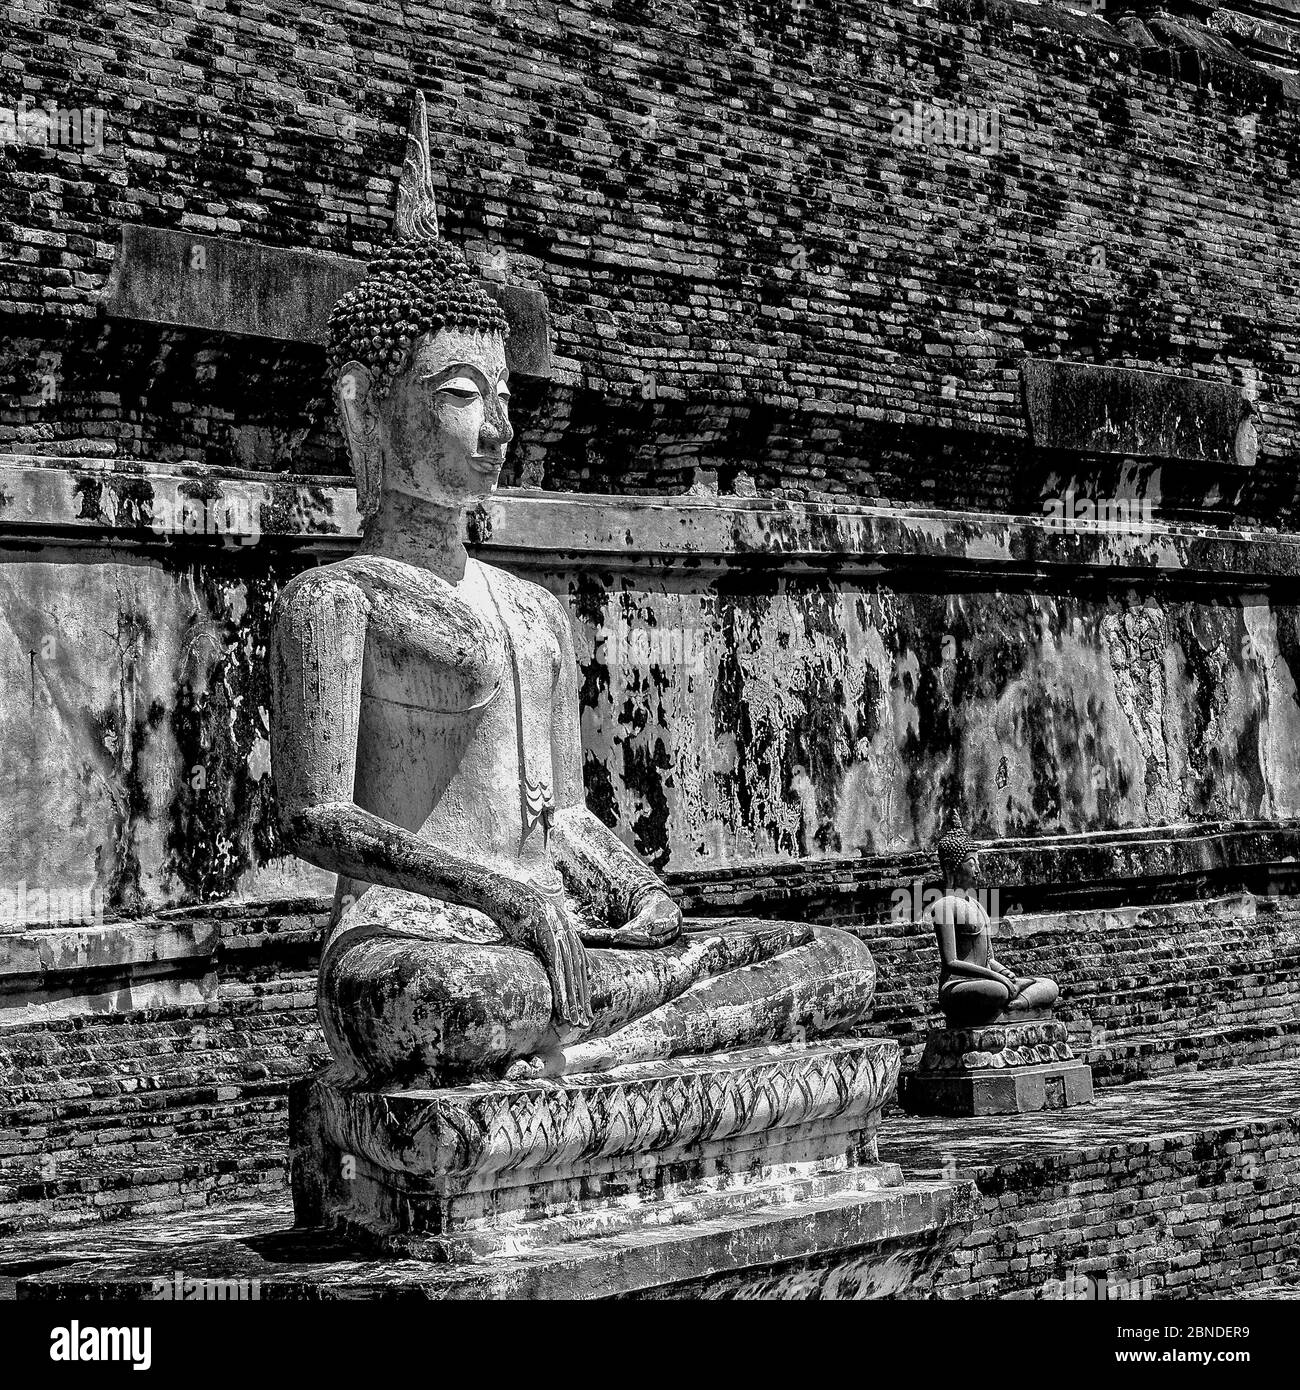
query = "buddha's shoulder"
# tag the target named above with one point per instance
(366, 578)
(347, 582)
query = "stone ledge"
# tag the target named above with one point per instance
(1135, 870)
(1091, 921)
(31, 960)
(55, 973)
(84, 501)
(1128, 1060)
(90, 501)
(165, 961)
(1135, 1120)
(51, 951)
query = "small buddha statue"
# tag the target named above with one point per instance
(974, 987)
(426, 749)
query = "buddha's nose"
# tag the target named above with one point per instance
(497, 431)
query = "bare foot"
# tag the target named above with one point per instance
(526, 1069)
(536, 1067)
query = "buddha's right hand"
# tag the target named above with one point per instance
(544, 927)
(1008, 977)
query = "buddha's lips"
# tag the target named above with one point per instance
(486, 463)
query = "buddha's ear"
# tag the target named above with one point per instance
(359, 415)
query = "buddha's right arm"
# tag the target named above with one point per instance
(351, 841)
(345, 839)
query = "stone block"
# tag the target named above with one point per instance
(998, 1091)
(227, 286)
(1118, 410)
(844, 1244)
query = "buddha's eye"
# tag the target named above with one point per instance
(460, 388)
(503, 394)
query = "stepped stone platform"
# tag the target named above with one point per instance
(1185, 1186)
(113, 1115)
(1141, 1115)
(254, 1246)
(143, 1111)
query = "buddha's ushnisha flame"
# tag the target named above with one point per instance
(417, 208)
(419, 285)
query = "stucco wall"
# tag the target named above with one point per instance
(756, 684)
(767, 717)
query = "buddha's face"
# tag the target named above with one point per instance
(967, 873)
(443, 426)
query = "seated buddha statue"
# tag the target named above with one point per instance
(426, 749)
(974, 987)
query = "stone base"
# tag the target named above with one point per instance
(471, 1172)
(1012, 1065)
(997, 1090)
(1009, 1040)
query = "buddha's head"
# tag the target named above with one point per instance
(958, 858)
(417, 356)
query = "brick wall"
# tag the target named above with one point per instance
(111, 1114)
(726, 213)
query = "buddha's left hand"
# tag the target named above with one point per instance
(657, 922)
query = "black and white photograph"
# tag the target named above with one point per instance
(650, 652)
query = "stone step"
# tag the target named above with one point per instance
(1141, 1058)
(221, 1218)
(103, 1156)
(117, 1197)
(892, 1234)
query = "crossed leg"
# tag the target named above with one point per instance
(819, 987)
(969, 1002)
(413, 992)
